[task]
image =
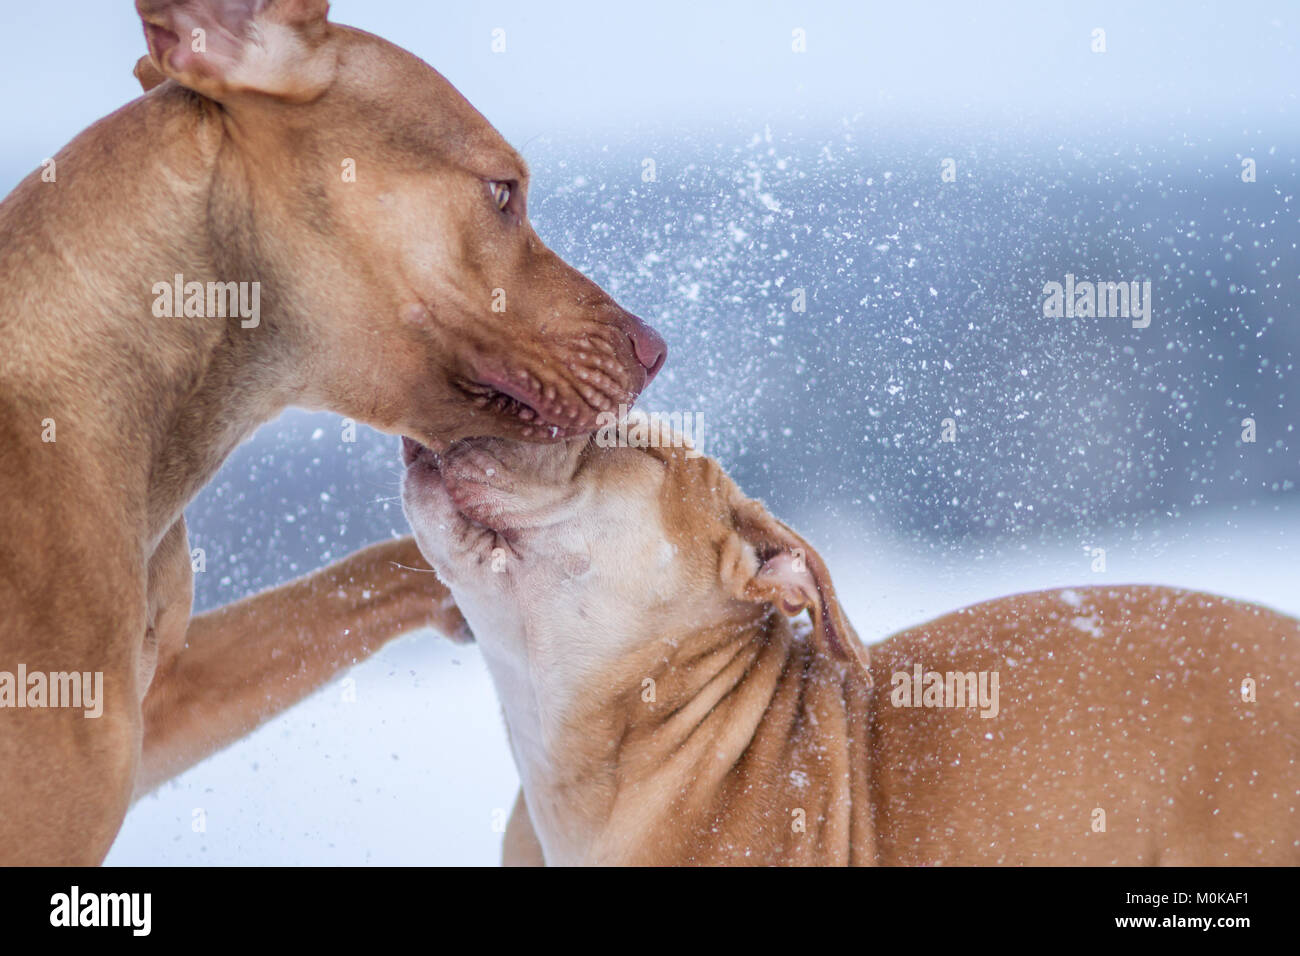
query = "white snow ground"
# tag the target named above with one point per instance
(416, 770)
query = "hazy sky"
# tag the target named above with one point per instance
(574, 65)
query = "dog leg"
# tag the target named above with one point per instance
(71, 608)
(242, 664)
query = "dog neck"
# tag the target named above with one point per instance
(146, 404)
(737, 743)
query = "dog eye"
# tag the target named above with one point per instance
(500, 194)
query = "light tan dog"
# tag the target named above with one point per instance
(633, 608)
(301, 214)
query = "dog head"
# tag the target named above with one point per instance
(388, 224)
(591, 552)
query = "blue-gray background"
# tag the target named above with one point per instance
(820, 171)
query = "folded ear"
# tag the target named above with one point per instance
(220, 47)
(792, 577)
(147, 74)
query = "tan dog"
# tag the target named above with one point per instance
(302, 214)
(632, 606)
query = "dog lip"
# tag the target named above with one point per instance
(520, 393)
(540, 421)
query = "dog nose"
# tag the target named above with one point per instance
(649, 346)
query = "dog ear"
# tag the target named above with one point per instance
(223, 47)
(788, 573)
(148, 74)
